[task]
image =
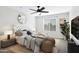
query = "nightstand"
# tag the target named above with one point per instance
(7, 43)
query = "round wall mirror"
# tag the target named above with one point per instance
(21, 18)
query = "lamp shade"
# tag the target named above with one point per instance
(8, 32)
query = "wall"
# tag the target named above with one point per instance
(7, 18)
(30, 19)
(74, 12)
(40, 24)
(30, 23)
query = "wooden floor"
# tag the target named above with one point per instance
(18, 49)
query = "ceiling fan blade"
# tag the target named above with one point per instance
(33, 12)
(33, 9)
(44, 11)
(42, 8)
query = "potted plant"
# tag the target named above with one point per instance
(65, 29)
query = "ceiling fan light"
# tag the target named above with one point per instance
(38, 6)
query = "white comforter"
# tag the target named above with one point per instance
(33, 43)
(30, 42)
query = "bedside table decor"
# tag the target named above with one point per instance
(8, 33)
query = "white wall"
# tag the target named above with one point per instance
(8, 15)
(30, 22)
(55, 34)
(74, 12)
(7, 18)
(30, 19)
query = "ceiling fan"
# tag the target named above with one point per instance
(39, 10)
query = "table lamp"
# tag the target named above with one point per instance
(8, 34)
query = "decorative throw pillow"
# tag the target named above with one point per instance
(18, 33)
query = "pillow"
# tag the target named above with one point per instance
(40, 35)
(18, 33)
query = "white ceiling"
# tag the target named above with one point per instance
(51, 9)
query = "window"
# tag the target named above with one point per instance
(50, 24)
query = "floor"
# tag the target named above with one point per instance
(61, 45)
(18, 49)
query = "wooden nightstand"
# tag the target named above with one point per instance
(6, 43)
